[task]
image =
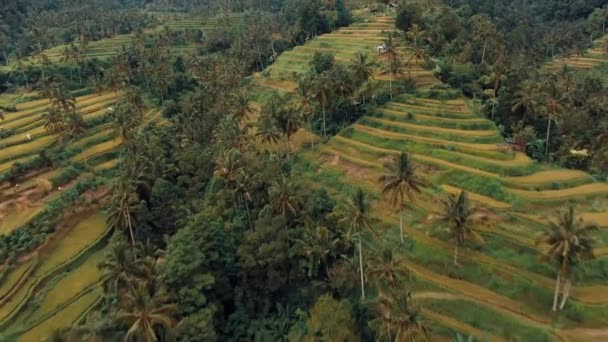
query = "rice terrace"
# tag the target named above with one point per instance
(303, 170)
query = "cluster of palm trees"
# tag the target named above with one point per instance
(135, 298)
(567, 241)
(62, 118)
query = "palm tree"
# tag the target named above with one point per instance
(392, 58)
(284, 197)
(415, 35)
(305, 98)
(241, 105)
(63, 100)
(267, 130)
(525, 99)
(119, 268)
(458, 214)
(319, 244)
(388, 269)
(323, 90)
(361, 68)
(54, 121)
(123, 200)
(75, 125)
(567, 243)
(358, 217)
(401, 181)
(288, 122)
(397, 319)
(553, 107)
(147, 313)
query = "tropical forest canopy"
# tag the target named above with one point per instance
(303, 170)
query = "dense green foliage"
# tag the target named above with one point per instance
(217, 234)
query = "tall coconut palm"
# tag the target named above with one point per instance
(397, 318)
(357, 215)
(147, 313)
(75, 124)
(119, 268)
(242, 107)
(288, 121)
(388, 269)
(121, 210)
(323, 89)
(54, 121)
(567, 243)
(391, 57)
(319, 245)
(458, 212)
(401, 181)
(284, 198)
(553, 107)
(361, 68)
(305, 105)
(63, 100)
(267, 130)
(526, 99)
(415, 35)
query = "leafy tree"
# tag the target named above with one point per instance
(322, 62)
(331, 320)
(458, 212)
(401, 181)
(567, 243)
(484, 32)
(357, 215)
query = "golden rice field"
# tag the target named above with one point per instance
(66, 296)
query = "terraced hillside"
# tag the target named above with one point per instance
(593, 57)
(501, 290)
(54, 285)
(57, 284)
(111, 46)
(364, 35)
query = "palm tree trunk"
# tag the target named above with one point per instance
(565, 292)
(287, 146)
(401, 225)
(548, 134)
(312, 140)
(456, 255)
(483, 54)
(248, 215)
(131, 229)
(361, 269)
(324, 129)
(390, 82)
(556, 294)
(27, 83)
